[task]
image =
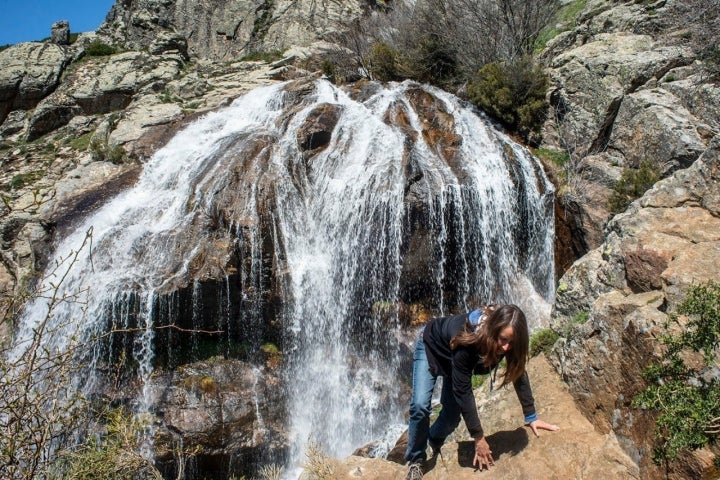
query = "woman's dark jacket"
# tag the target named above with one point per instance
(458, 366)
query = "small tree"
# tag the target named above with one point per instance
(633, 183)
(513, 93)
(686, 395)
(39, 405)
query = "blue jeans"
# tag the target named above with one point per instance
(419, 430)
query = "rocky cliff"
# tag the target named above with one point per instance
(627, 88)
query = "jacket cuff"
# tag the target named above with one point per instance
(531, 418)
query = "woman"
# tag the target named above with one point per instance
(456, 347)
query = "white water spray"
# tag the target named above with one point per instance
(341, 235)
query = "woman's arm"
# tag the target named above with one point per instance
(524, 393)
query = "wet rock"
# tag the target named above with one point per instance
(221, 411)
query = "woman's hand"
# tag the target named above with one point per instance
(483, 455)
(542, 425)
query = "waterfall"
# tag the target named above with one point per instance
(379, 214)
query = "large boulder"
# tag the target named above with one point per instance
(612, 304)
(225, 413)
(28, 73)
(60, 33)
(652, 125)
(577, 450)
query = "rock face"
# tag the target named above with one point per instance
(613, 302)
(627, 89)
(225, 415)
(226, 29)
(28, 73)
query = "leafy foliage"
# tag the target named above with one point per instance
(382, 62)
(633, 183)
(564, 20)
(686, 395)
(114, 456)
(99, 49)
(513, 93)
(542, 341)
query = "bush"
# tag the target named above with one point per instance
(633, 183)
(513, 93)
(433, 61)
(381, 62)
(542, 341)
(99, 49)
(115, 456)
(686, 396)
(103, 151)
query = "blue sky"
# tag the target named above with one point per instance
(28, 20)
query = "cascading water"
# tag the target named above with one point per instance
(382, 212)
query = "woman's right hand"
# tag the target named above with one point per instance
(483, 455)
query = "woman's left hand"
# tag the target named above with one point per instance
(542, 425)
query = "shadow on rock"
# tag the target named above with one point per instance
(504, 442)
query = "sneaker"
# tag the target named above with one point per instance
(414, 472)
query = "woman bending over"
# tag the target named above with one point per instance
(455, 347)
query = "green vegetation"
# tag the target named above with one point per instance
(99, 49)
(23, 179)
(564, 21)
(329, 70)
(114, 456)
(685, 393)
(382, 62)
(542, 341)
(553, 157)
(103, 151)
(82, 142)
(478, 380)
(268, 57)
(513, 93)
(633, 183)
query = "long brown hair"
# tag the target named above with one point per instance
(485, 339)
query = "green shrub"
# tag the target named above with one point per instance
(329, 70)
(513, 93)
(114, 456)
(432, 61)
(686, 396)
(564, 21)
(101, 150)
(99, 49)
(22, 179)
(542, 341)
(633, 183)
(381, 62)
